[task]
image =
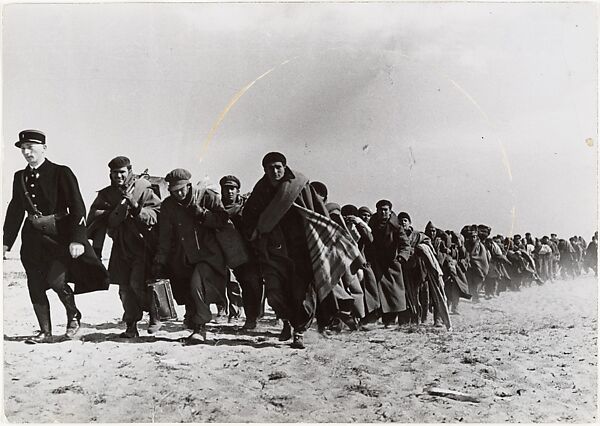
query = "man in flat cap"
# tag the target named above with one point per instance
(248, 273)
(188, 250)
(127, 210)
(280, 215)
(54, 249)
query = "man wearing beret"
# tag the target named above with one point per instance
(248, 274)
(54, 249)
(127, 210)
(281, 210)
(390, 249)
(188, 250)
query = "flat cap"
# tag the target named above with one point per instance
(230, 180)
(382, 203)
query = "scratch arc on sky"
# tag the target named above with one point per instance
(232, 102)
(242, 92)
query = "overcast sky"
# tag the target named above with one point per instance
(456, 112)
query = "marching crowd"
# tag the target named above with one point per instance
(311, 259)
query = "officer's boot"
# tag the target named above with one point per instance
(67, 297)
(42, 312)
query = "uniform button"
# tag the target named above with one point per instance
(182, 238)
(33, 195)
(32, 185)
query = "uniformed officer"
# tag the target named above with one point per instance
(54, 247)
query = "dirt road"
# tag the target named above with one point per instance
(529, 356)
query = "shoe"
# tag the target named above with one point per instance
(336, 325)
(286, 331)
(298, 342)
(365, 327)
(198, 336)
(323, 331)
(249, 325)
(438, 324)
(73, 327)
(41, 337)
(350, 321)
(130, 332)
(154, 326)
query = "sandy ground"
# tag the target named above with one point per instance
(529, 356)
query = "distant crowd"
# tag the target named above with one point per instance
(310, 259)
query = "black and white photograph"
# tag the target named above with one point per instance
(300, 212)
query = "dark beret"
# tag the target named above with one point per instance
(178, 178)
(319, 188)
(349, 210)
(229, 180)
(31, 136)
(274, 157)
(364, 209)
(118, 162)
(404, 215)
(429, 225)
(382, 203)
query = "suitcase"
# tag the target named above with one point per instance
(162, 295)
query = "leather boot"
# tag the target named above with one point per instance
(154, 324)
(198, 335)
(298, 342)
(131, 331)
(286, 331)
(67, 297)
(42, 312)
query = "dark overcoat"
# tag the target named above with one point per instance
(57, 192)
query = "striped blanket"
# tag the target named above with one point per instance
(332, 250)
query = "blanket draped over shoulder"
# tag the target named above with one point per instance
(332, 250)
